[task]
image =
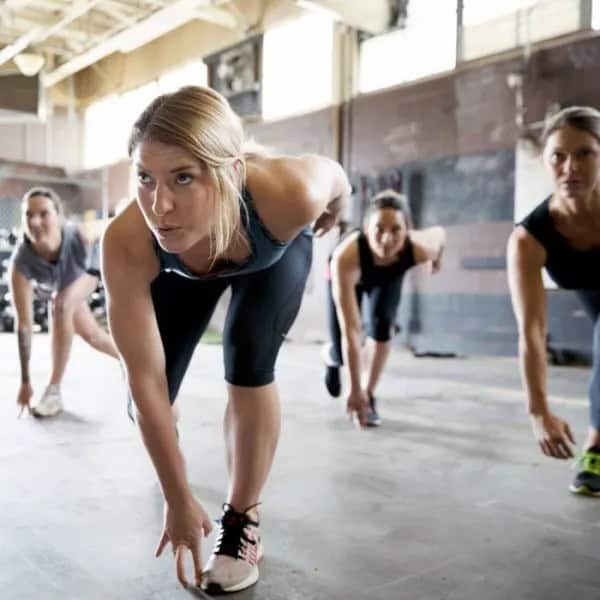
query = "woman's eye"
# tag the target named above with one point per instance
(143, 178)
(183, 178)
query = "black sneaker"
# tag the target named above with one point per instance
(332, 372)
(373, 418)
(587, 481)
(332, 381)
(233, 564)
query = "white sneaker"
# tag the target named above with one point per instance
(50, 403)
(373, 418)
(327, 355)
(233, 565)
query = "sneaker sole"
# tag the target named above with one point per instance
(326, 357)
(41, 415)
(583, 490)
(252, 579)
(215, 588)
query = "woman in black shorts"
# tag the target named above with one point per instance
(372, 263)
(52, 261)
(210, 215)
(563, 235)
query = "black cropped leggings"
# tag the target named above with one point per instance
(382, 306)
(263, 307)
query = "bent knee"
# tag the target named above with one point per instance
(250, 362)
(62, 308)
(90, 337)
(382, 330)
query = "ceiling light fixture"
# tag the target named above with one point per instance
(28, 63)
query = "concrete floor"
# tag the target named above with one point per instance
(450, 499)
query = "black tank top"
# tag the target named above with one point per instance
(265, 249)
(372, 275)
(570, 268)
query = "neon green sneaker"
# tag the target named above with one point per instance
(587, 481)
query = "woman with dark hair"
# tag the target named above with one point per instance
(372, 263)
(212, 214)
(563, 235)
(53, 261)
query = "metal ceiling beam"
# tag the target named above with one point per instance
(24, 25)
(174, 14)
(39, 34)
(218, 16)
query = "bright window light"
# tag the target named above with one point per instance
(107, 144)
(194, 73)
(596, 14)
(108, 124)
(476, 11)
(132, 103)
(427, 45)
(297, 67)
(100, 142)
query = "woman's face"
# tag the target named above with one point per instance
(386, 232)
(174, 194)
(40, 219)
(573, 157)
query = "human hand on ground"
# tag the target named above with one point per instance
(357, 406)
(24, 398)
(553, 435)
(184, 526)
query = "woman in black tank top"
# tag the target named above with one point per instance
(563, 235)
(372, 264)
(193, 168)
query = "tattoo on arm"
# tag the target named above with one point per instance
(24, 336)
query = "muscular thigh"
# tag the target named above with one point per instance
(382, 308)
(263, 307)
(183, 308)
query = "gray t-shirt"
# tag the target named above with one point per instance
(72, 261)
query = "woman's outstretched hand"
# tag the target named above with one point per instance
(553, 435)
(325, 221)
(184, 527)
(357, 407)
(24, 398)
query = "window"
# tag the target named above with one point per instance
(193, 73)
(494, 27)
(297, 67)
(476, 11)
(108, 122)
(408, 54)
(101, 145)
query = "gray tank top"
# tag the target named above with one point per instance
(72, 261)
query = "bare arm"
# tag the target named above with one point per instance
(129, 266)
(22, 297)
(345, 273)
(344, 277)
(526, 258)
(428, 245)
(525, 262)
(132, 321)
